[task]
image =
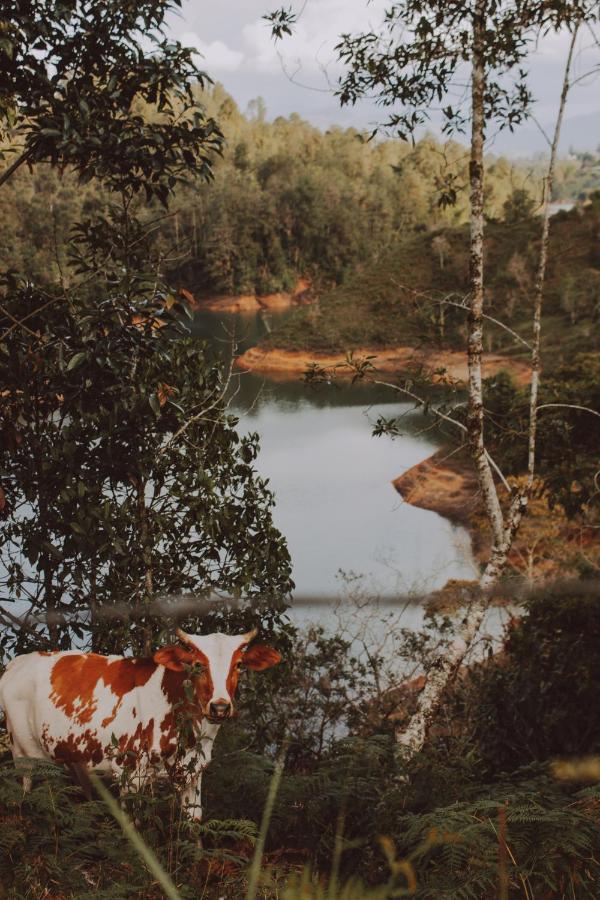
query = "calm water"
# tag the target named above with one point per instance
(345, 524)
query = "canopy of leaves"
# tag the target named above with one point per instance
(538, 701)
(74, 77)
(568, 431)
(123, 469)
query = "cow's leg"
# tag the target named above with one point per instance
(191, 797)
(24, 764)
(130, 786)
(23, 757)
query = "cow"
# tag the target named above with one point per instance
(136, 718)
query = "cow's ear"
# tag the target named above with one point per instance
(173, 657)
(259, 657)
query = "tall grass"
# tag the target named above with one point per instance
(139, 845)
(255, 868)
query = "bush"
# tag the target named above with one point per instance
(541, 699)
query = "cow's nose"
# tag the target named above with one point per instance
(221, 709)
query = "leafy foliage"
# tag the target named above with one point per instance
(346, 814)
(73, 78)
(568, 430)
(537, 702)
(124, 476)
(414, 294)
(285, 200)
(54, 841)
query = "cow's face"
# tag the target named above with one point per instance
(216, 661)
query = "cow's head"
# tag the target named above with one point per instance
(219, 658)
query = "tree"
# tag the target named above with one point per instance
(125, 478)
(410, 67)
(519, 207)
(125, 481)
(74, 79)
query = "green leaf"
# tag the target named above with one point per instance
(154, 404)
(76, 360)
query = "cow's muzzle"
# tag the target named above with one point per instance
(219, 711)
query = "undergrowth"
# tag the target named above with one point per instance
(479, 811)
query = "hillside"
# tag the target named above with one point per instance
(393, 301)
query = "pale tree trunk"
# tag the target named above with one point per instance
(413, 737)
(146, 548)
(536, 367)
(504, 527)
(475, 417)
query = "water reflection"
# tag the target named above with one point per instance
(332, 480)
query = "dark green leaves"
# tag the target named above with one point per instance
(97, 88)
(76, 360)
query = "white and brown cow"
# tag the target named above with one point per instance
(137, 718)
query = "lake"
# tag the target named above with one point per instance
(347, 528)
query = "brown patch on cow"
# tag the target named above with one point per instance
(79, 749)
(132, 747)
(45, 738)
(260, 657)
(168, 735)
(74, 679)
(173, 657)
(173, 687)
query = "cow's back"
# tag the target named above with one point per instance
(72, 707)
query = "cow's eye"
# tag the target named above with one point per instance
(239, 666)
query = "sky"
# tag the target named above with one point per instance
(299, 73)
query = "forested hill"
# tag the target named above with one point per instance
(286, 200)
(395, 300)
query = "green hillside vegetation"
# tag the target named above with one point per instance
(577, 176)
(286, 200)
(392, 301)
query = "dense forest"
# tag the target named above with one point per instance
(444, 762)
(287, 200)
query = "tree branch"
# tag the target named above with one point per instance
(16, 165)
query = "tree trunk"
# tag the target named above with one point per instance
(413, 737)
(147, 560)
(10, 171)
(538, 294)
(504, 529)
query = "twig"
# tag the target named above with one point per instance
(16, 322)
(17, 163)
(19, 322)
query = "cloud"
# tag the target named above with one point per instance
(310, 49)
(216, 56)
(238, 50)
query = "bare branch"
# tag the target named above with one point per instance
(19, 322)
(587, 409)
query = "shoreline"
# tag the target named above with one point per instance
(548, 541)
(250, 303)
(443, 483)
(281, 364)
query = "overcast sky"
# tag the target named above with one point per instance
(298, 73)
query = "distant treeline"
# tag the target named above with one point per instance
(287, 199)
(410, 294)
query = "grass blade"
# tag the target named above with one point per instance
(254, 873)
(131, 833)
